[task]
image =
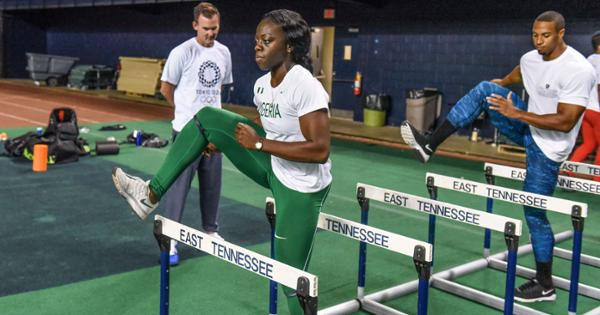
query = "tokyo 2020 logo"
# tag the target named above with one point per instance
(209, 74)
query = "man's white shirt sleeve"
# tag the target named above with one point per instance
(576, 89)
(229, 72)
(173, 67)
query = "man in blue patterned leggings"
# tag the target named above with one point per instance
(559, 81)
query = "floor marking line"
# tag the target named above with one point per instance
(80, 107)
(23, 119)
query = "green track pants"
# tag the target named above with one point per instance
(297, 212)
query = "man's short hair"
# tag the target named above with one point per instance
(552, 16)
(206, 9)
(596, 40)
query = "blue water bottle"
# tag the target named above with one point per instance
(39, 131)
(138, 137)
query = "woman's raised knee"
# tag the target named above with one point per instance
(208, 114)
(207, 110)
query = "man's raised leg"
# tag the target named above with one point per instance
(466, 110)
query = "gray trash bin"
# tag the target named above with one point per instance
(49, 68)
(423, 106)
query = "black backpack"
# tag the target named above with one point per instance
(61, 136)
(63, 123)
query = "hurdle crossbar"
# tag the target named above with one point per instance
(373, 236)
(370, 235)
(420, 251)
(580, 168)
(566, 182)
(305, 283)
(512, 228)
(442, 209)
(510, 195)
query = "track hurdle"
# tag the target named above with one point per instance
(577, 211)
(442, 280)
(566, 182)
(421, 252)
(305, 283)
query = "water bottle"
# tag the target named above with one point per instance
(39, 131)
(475, 135)
(138, 137)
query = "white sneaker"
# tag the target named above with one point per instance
(215, 235)
(135, 191)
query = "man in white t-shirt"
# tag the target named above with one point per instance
(590, 127)
(192, 79)
(558, 80)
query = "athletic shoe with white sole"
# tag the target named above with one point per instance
(416, 140)
(533, 291)
(135, 191)
(216, 235)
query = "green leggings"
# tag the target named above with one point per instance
(297, 212)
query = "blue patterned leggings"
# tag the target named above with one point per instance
(542, 172)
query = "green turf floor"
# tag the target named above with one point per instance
(127, 281)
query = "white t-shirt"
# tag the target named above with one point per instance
(594, 59)
(566, 79)
(280, 109)
(198, 72)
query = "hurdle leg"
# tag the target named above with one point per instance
(487, 236)
(362, 249)
(308, 303)
(577, 221)
(432, 189)
(270, 213)
(424, 273)
(163, 244)
(512, 244)
(431, 234)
